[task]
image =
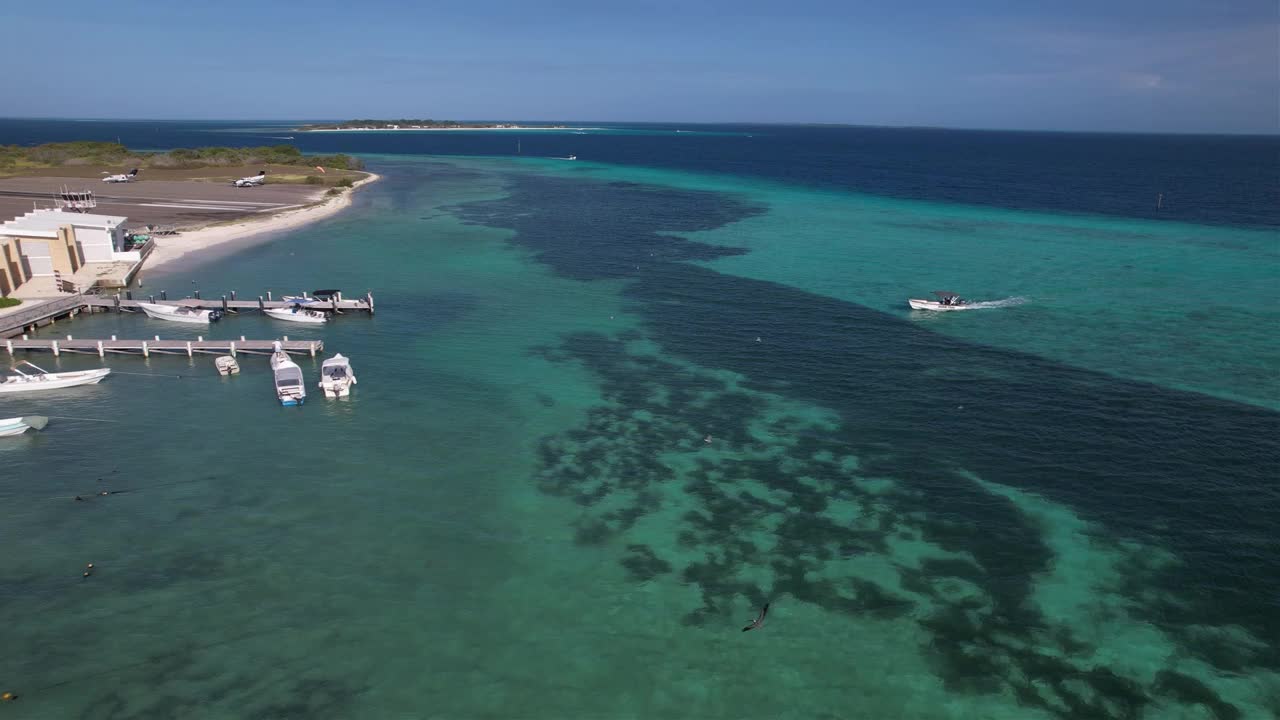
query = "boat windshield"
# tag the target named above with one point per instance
(288, 382)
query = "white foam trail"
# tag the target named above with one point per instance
(1007, 302)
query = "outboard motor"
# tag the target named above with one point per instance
(215, 315)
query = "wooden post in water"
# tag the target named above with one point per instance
(164, 294)
(145, 352)
(9, 345)
(313, 349)
(117, 302)
(151, 299)
(224, 304)
(233, 295)
(268, 294)
(188, 348)
(100, 351)
(261, 306)
(368, 297)
(233, 348)
(55, 348)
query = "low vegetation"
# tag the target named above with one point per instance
(403, 124)
(8, 302)
(15, 157)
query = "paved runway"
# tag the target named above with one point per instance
(157, 202)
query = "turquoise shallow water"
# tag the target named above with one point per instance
(569, 474)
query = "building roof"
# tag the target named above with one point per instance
(46, 222)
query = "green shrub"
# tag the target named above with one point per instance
(7, 302)
(345, 182)
(313, 180)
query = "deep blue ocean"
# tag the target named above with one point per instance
(610, 407)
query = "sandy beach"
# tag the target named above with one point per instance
(183, 245)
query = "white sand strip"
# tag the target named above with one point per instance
(169, 249)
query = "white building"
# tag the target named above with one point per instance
(49, 243)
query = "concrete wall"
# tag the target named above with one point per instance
(96, 244)
(42, 256)
(11, 271)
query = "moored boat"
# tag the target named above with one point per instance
(19, 425)
(43, 380)
(298, 314)
(337, 377)
(181, 313)
(290, 389)
(227, 365)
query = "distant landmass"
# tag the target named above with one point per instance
(405, 124)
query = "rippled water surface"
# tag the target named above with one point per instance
(607, 410)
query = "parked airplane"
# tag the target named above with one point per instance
(121, 178)
(253, 181)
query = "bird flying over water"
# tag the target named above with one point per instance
(759, 621)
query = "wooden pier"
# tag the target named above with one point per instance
(147, 348)
(49, 312)
(229, 304)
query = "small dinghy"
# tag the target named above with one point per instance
(946, 301)
(19, 425)
(227, 365)
(297, 314)
(288, 377)
(181, 313)
(336, 377)
(42, 380)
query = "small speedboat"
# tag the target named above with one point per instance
(946, 301)
(288, 378)
(298, 314)
(336, 376)
(227, 365)
(43, 380)
(19, 425)
(181, 313)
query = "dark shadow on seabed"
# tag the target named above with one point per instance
(1181, 471)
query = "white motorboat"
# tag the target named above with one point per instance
(181, 313)
(946, 302)
(42, 380)
(227, 365)
(298, 314)
(19, 425)
(290, 389)
(336, 376)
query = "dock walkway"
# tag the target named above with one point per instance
(27, 320)
(146, 348)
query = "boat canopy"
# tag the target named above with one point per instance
(288, 375)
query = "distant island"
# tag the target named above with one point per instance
(404, 124)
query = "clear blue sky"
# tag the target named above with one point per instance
(1133, 65)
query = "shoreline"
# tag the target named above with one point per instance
(199, 241)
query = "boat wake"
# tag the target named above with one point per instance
(988, 304)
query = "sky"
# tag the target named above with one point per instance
(1113, 65)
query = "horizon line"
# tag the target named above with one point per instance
(624, 123)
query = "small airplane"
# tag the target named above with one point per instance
(122, 177)
(252, 181)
